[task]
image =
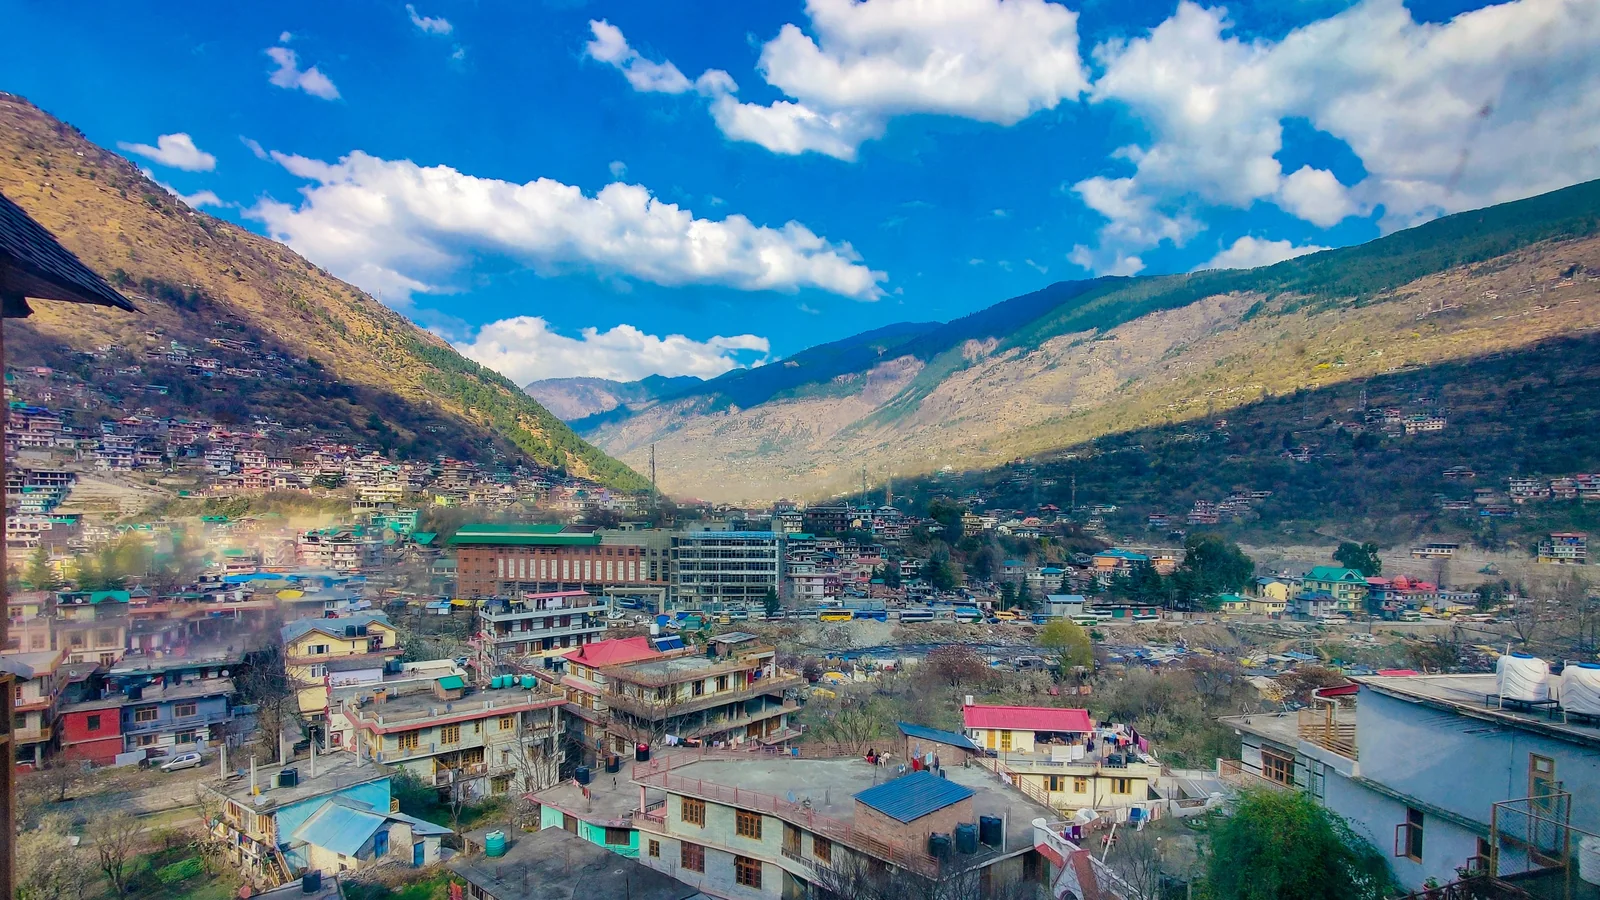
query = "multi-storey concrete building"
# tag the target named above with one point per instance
(468, 743)
(759, 828)
(329, 814)
(1568, 548)
(1060, 759)
(725, 567)
(507, 560)
(36, 688)
(351, 648)
(537, 625)
(732, 692)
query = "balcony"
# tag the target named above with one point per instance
(447, 776)
(641, 674)
(680, 706)
(196, 721)
(536, 634)
(1326, 728)
(739, 721)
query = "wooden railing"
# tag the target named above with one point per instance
(795, 813)
(1474, 887)
(1325, 729)
(1232, 771)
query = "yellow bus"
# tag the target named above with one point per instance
(836, 615)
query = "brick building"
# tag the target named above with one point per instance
(503, 560)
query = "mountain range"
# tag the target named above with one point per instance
(1078, 360)
(339, 364)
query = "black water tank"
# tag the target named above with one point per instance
(991, 831)
(939, 846)
(311, 882)
(641, 753)
(967, 837)
(288, 778)
(583, 774)
(613, 764)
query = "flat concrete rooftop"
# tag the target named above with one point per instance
(554, 865)
(611, 797)
(1476, 695)
(335, 771)
(831, 786)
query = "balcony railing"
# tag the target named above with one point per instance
(751, 660)
(534, 634)
(445, 776)
(211, 718)
(649, 708)
(1323, 728)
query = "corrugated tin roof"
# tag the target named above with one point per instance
(452, 683)
(613, 652)
(333, 627)
(522, 536)
(339, 828)
(914, 796)
(1027, 718)
(933, 734)
(34, 264)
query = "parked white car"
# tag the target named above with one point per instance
(182, 761)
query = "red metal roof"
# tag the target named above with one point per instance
(1028, 718)
(614, 652)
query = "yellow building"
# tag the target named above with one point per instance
(1054, 757)
(350, 650)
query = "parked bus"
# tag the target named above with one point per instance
(835, 615)
(969, 614)
(916, 615)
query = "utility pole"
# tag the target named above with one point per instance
(655, 500)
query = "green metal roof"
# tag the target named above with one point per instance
(522, 536)
(424, 537)
(452, 683)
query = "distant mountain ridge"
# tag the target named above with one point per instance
(345, 367)
(1079, 359)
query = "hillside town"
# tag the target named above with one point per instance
(826, 450)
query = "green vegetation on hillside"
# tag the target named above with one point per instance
(1528, 412)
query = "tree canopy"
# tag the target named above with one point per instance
(1068, 644)
(1283, 845)
(1361, 557)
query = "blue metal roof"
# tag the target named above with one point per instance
(334, 627)
(339, 828)
(925, 733)
(914, 796)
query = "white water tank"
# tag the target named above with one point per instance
(1580, 688)
(1589, 859)
(1523, 677)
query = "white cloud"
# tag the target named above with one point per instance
(1250, 252)
(611, 48)
(428, 24)
(618, 169)
(524, 349)
(1105, 261)
(397, 227)
(285, 37)
(254, 147)
(175, 151)
(1493, 105)
(194, 200)
(865, 62)
(290, 75)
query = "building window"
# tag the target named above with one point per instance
(317, 649)
(450, 734)
(186, 737)
(655, 850)
(92, 723)
(1121, 785)
(409, 740)
(747, 871)
(500, 784)
(1408, 836)
(619, 836)
(692, 857)
(822, 848)
(145, 714)
(185, 710)
(1276, 767)
(1055, 782)
(507, 723)
(1080, 784)
(692, 811)
(748, 824)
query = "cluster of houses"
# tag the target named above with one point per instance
(1335, 591)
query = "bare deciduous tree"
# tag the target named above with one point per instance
(113, 836)
(1136, 860)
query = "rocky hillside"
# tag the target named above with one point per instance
(575, 399)
(342, 365)
(1084, 359)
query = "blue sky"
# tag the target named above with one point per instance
(621, 188)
